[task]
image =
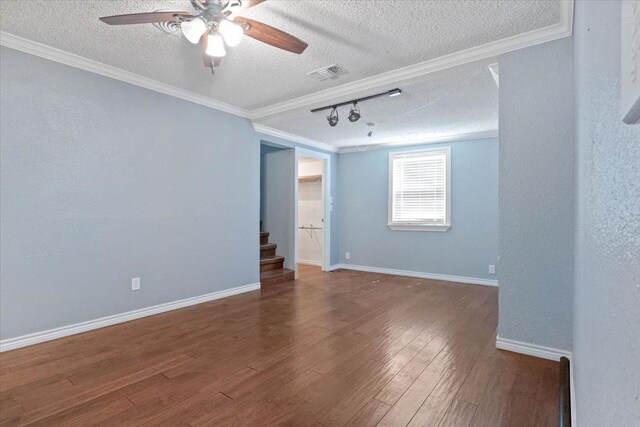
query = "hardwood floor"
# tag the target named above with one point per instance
(340, 348)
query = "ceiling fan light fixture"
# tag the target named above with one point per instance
(193, 29)
(333, 118)
(354, 114)
(231, 33)
(215, 46)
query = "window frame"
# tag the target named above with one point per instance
(420, 226)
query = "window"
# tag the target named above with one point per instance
(419, 190)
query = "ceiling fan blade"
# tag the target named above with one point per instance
(143, 18)
(270, 35)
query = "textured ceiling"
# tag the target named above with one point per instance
(454, 101)
(366, 37)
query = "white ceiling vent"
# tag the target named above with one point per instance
(331, 72)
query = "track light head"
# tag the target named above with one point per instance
(354, 114)
(333, 118)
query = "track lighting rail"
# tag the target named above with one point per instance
(392, 92)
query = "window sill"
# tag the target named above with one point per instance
(418, 227)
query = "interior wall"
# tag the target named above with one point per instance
(279, 210)
(466, 249)
(102, 181)
(536, 195)
(264, 149)
(606, 341)
(310, 214)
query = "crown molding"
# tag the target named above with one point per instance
(489, 50)
(73, 60)
(294, 138)
(422, 141)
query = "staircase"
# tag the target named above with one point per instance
(272, 269)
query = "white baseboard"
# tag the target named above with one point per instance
(422, 275)
(309, 262)
(51, 334)
(531, 349)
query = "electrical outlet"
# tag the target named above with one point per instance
(347, 255)
(492, 269)
(135, 284)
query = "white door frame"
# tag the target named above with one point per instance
(326, 203)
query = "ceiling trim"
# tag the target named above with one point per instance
(294, 138)
(420, 141)
(531, 38)
(489, 50)
(66, 58)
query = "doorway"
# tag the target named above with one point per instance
(312, 212)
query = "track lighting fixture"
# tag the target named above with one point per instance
(333, 117)
(354, 114)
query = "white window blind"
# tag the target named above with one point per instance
(419, 196)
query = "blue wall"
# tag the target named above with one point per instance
(102, 181)
(606, 340)
(466, 249)
(264, 150)
(536, 194)
(278, 180)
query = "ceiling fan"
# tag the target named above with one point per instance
(215, 26)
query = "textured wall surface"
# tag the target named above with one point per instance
(606, 341)
(536, 195)
(102, 181)
(466, 249)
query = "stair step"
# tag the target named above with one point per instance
(264, 237)
(271, 263)
(268, 250)
(273, 277)
(271, 259)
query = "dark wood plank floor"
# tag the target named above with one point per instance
(341, 348)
